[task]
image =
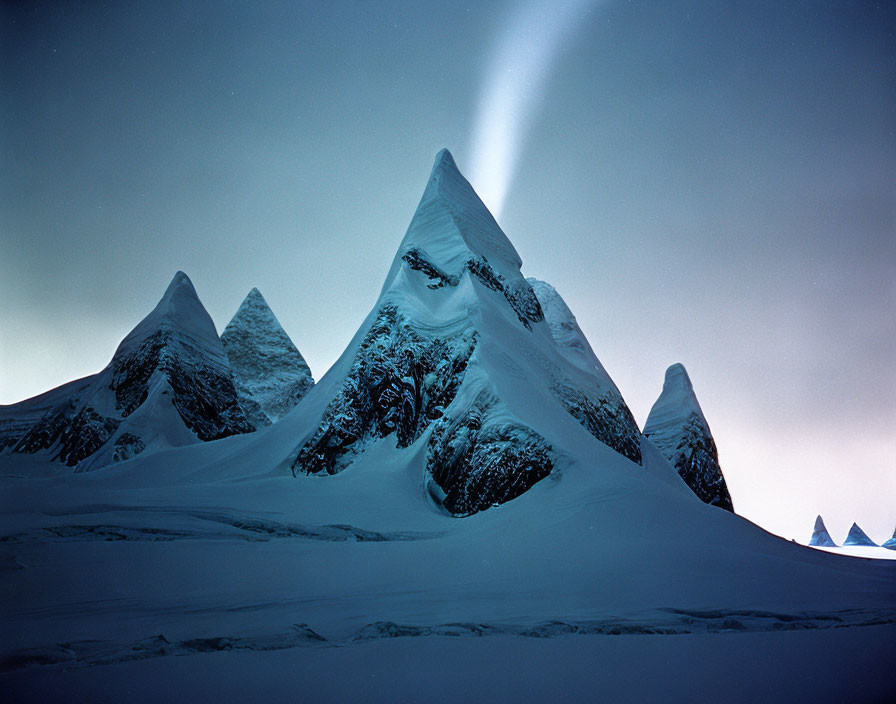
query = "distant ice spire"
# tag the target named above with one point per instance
(820, 535)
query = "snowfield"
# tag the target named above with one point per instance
(353, 550)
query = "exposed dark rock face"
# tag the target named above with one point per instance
(76, 434)
(85, 435)
(520, 297)
(480, 459)
(697, 461)
(417, 261)
(606, 417)
(48, 429)
(401, 381)
(127, 445)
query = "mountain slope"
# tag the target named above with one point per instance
(678, 428)
(271, 374)
(820, 535)
(168, 384)
(450, 361)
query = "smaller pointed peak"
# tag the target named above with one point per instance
(820, 535)
(857, 536)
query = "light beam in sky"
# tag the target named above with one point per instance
(514, 86)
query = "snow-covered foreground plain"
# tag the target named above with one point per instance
(194, 576)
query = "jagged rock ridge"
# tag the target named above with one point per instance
(820, 535)
(677, 427)
(271, 374)
(168, 384)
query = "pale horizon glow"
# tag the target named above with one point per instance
(513, 88)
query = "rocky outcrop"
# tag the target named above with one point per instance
(403, 378)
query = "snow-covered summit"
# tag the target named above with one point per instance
(820, 536)
(271, 374)
(857, 536)
(452, 227)
(678, 428)
(180, 314)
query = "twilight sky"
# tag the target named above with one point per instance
(703, 184)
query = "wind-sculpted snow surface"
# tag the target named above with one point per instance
(403, 378)
(271, 374)
(677, 427)
(168, 384)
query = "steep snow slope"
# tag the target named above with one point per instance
(677, 426)
(168, 384)
(456, 364)
(820, 536)
(271, 374)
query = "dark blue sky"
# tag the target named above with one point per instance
(704, 184)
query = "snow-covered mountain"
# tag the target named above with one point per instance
(271, 374)
(169, 384)
(820, 536)
(857, 536)
(456, 361)
(677, 427)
